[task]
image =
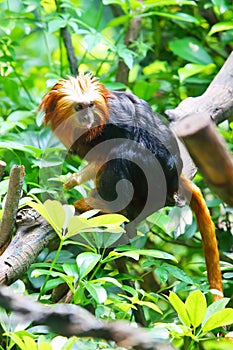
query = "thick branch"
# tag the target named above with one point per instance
(11, 205)
(192, 121)
(216, 103)
(2, 168)
(33, 235)
(73, 320)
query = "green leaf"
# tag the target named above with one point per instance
(162, 274)
(196, 307)
(158, 3)
(218, 319)
(55, 24)
(178, 16)
(17, 339)
(158, 254)
(30, 343)
(111, 280)
(56, 213)
(86, 262)
(150, 305)
(191, 50)
(191, 69)
(214, 307)
(179, 306)
(97, 292)
(77, 225)
(108, 220)
(220, 27)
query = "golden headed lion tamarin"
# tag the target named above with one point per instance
(132, 155)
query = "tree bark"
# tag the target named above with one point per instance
(193, 121)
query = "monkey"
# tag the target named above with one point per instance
(132, 155)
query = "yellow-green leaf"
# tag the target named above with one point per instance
(108, 220)
(150, 305)
(77, 225)
(218, 319)
(196, 307)
(179, 306)
(56, 212)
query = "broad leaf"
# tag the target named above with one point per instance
(218, 319)
(97, 292)
(196, 307)
(214, 307)
(191, 50)
(86, 262)
(179, 306)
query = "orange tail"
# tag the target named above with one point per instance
(207, 230)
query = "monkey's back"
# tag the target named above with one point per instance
(142, 151)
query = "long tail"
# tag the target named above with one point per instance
(207, 230)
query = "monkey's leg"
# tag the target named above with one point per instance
(84, 175)
(207, 230)
(91, 202)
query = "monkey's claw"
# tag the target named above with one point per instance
(71, 182)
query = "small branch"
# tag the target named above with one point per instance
(73, 320)
(2, 168)
(33, 235)
(131, 36)
(11, 205)
(66, 37)
(193, 122)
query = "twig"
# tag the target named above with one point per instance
(193, 121)
(33, 235)
(73, 320)
(2, 168)
(11, 205)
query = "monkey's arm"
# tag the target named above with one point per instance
(207, 231)
(84, 175)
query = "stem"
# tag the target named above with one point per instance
(51, 269)
(22, 84)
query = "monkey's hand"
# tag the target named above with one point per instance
(84, 175)
(74, 180)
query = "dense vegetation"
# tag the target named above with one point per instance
(180, 48)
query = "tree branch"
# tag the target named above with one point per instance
(11, 205)
(33, 235)
(77, 321)
(2, 168)
(66, 37)
(132, 34)
(193, 122)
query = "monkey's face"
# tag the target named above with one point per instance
(75, 105)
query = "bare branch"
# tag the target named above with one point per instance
(33, 235)
(77, 321)
(11, 205)
(66, 37)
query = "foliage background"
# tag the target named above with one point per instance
(180, 48)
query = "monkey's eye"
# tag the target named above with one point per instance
(78, 107)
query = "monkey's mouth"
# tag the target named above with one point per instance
(85, 122)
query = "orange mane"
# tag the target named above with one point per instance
(59, 101)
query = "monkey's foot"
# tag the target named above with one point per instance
(73, 181)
